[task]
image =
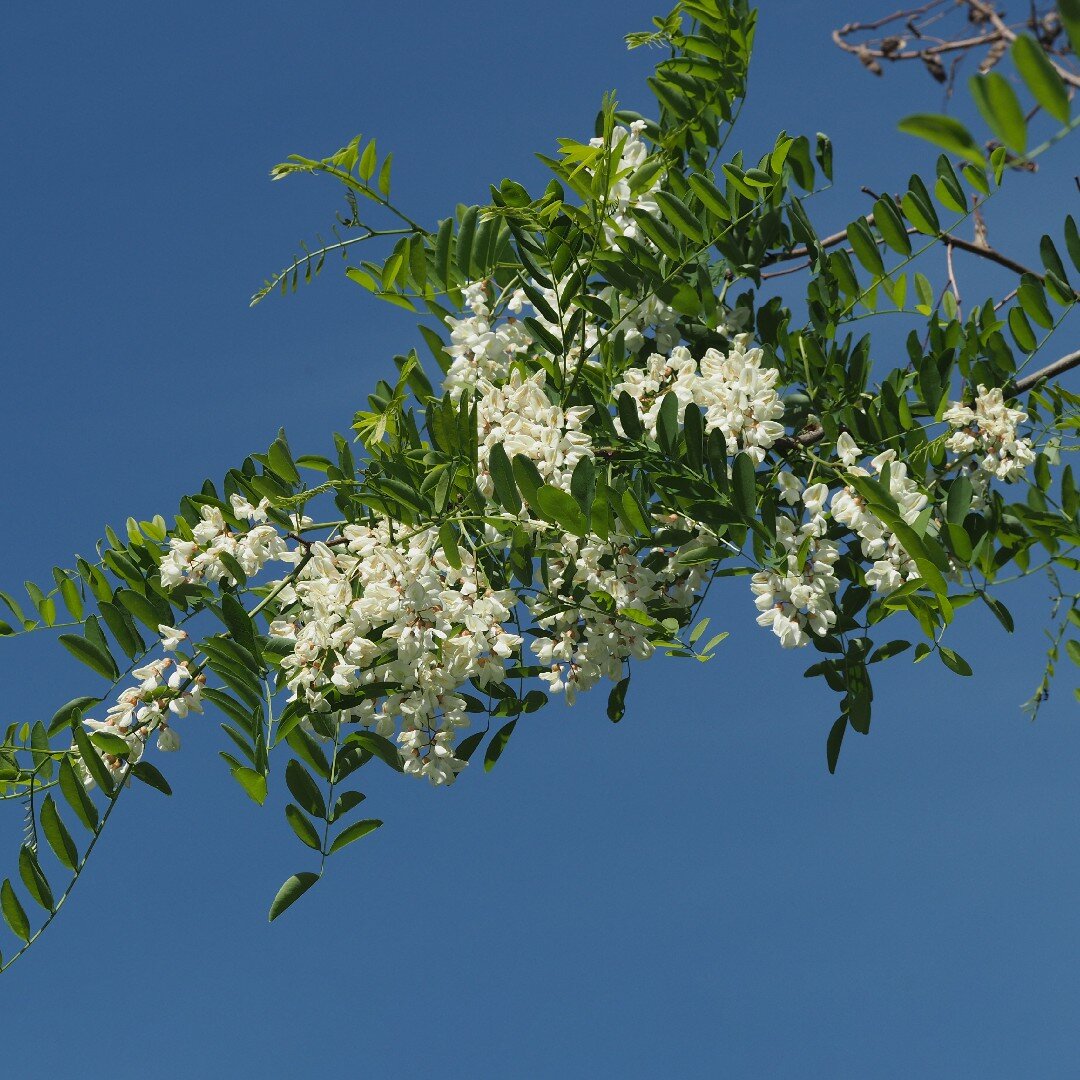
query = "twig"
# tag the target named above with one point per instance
(953, 284)
(1058, 367)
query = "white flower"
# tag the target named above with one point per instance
(989, 433)
(790, 487)
(171, 637)
(847, 450)
(167, 739)
(244, 509)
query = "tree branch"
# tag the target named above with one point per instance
(994, 256)
(1051, 371)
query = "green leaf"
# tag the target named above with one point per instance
(74, 709)
(667, 422)
(583, 485)
(57, 834)
(1001, 612)
(710, 195)
(919, 210)
(631, 512)
(954, 661)
(92, 760)
(889, 649)
(959, 503)
(91, 654)
(527, 475)
(110, 744)
(14, 913)
(304, 789)
(945, 132)
(253, 783)
(346, 801)
(448, 540)
(37, 885)
(1033, 301)
(378, 746)
(466, 235)
(238, 623)
(384, 174)
(1021, 330)
(1042, 80)
(302, 827)
(72, 789)
(356, 831)
(281, 461)
(865, 247)
(744, 486)
(616, 703)
(443, 241)
(1072, 240)
(146, 611)
(72, 600)
(1069, 13)
(561, 507)
(630, 417)
(291, 891)
(498, 745)
(151, 776)
(832, 745)
(891, 226)
(1001, 109)
(677, 213)
(502, 476)
(1072, 647)
(123, 629)
(467, 747)
(368, 160)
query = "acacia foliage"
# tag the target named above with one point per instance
(567, 484)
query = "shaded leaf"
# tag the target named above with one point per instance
(291, 891)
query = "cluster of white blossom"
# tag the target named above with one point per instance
(375, 610)
(479, 348)
(622, 200)
(737, 395)
(199, 559)
(799, 594)
(892, 564)
(519, 416)
(986, 432)
(585, 642)
(144, 708)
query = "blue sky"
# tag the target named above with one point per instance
(688, 894)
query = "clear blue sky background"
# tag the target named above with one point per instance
(689, 894)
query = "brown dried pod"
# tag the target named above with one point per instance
(934, 66)
(993, 55)
(866, 58)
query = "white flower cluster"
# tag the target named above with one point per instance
(800, 593)
(144, 708)
(375, 610)
(892, 564)
(585, 642)
(480, 349)
(520, 416)
(621, 200)
(987, 432)
(199, 559)
(737, 395)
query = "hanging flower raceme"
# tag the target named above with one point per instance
(738, 395)
(797, 595)
(985, 435)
